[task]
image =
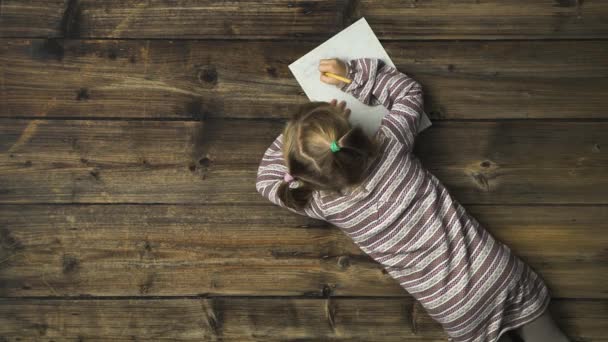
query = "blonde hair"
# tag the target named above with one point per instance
(307, 137)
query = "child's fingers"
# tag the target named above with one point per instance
(329, 66)
(326, 68)
(329, 80)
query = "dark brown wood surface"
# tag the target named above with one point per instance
(286, 19)
(131, 132)
(206, 79)
(141, 250)
(255, 319)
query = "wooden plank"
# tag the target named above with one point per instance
(37, 18)
(162, 250)
(74, 161)
(286, 19)
(255, 319)
(197, 79)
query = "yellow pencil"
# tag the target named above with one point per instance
(339, 78)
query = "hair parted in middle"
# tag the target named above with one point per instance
(307, 138)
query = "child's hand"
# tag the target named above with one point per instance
(341, 107)
(335, 66)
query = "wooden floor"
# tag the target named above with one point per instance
(131, 132)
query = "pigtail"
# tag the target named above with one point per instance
(295, 197)
(356, 149)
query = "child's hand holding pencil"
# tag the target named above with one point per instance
(333, 71)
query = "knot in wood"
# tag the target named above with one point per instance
(205, 162)
(207, 74)
(344, 262)
(327, 290)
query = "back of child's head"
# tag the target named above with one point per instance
(310, 159)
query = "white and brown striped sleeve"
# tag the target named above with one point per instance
(399, 93)
(270, 175)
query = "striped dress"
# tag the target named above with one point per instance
(405, 219)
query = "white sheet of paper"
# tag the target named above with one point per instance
(356, 41)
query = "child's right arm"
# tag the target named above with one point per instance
(396, 91)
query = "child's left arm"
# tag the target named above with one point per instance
(270, 175)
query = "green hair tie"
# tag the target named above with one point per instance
(334, 146)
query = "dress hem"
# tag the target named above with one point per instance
(544, 308)
(540, 312)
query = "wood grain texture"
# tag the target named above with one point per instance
(80, 161)
(129, 149)
(224, 79)
(287, 19)
(39, 18)
(164, 250)
(255, 319)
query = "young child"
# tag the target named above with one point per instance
(377, 192)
